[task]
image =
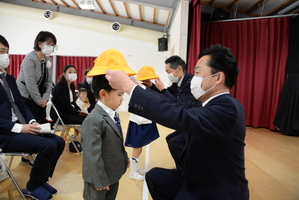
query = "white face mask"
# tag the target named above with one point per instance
(4, 60)
(72, 77)
(47, 50)
(89, 80)
(195, 86)
(172, 78)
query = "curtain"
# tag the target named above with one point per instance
(81, 64)
(261, 48)
(287, 115)
(14, 66)
(194, 35)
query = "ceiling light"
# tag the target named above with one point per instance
(86, 4)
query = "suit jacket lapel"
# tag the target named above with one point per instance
(109, 121)
(3, 92)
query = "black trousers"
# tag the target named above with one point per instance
(164, 184)
(48, 147)
(177, 142)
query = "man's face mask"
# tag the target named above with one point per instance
(195, 86)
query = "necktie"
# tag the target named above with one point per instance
(13, 103)
(117, 121)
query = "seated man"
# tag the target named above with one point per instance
(19, 132)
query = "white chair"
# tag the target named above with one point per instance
(65, 128)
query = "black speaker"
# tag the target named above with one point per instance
(219, 14)
(162, 44)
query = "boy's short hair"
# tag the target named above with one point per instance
(100, 82)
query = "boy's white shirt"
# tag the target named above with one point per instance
(110, 111)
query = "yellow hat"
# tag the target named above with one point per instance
(146, 73)
(110, 59)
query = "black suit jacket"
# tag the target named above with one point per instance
(214, 157)
(61, 99)
(90, 94)
(5, 109)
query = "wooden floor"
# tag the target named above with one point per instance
(272, 168)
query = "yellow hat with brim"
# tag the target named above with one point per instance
(110, 59)
(146, 73)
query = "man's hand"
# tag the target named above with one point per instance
(135, 81)
(104, 188)
(119, 80)
(159, 84)
(33, 129)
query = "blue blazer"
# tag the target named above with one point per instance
(214, 156)
(5, 106)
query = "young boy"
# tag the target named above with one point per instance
(104, 159)
(83, 101)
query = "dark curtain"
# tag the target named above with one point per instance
(81, 64)
(194, 35)
(14, 66)
(261, 48)
(287, 115)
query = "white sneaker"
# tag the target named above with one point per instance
(141, 171)
(136, 176)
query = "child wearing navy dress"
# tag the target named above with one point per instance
(141, 131)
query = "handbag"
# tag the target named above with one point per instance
(72, 148)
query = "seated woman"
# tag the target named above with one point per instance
(64, 98)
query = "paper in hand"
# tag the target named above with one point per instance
(46, 128)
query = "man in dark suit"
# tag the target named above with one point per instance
(19, 132)
(87, 85)
(175, 68)
(214, 157)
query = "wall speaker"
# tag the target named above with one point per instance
(219, 14)
(115, 26)
(162, 44)
(48, 14)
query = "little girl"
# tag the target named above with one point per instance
(83, 101)
(141, 131)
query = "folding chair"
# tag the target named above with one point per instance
(12, 154)
(65, 128)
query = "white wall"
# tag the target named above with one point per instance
(179, 31)
(79, 36)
